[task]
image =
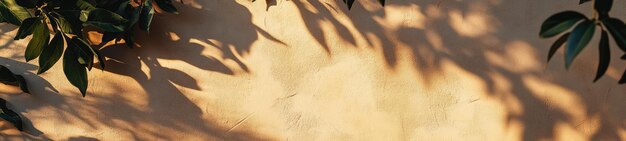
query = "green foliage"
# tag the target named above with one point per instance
(578, 38)
(67, 21)
(9, 78)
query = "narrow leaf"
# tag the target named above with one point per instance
(74, 71)
(559, 22)
(51, 54)
(578, 40)
(147, 12)
(27, 28)
(605, 56)
(41, 36)
(557, 44)
(617, 28)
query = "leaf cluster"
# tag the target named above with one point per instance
(576, 31)
(57, 28)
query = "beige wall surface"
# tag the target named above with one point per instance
(442, 70)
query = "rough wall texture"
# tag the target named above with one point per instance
(312, 70)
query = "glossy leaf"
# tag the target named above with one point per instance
(557, 44)
(559, 22)
(605, 56)
(27, 28)
(51, 54)
(75, 72)
(19, 12)
(10, 116)
(578, 40)
(8, 15)
(84, 52)
(617, 28)
(167, 6)
(41, 36)
(105, 16)
(147, 12)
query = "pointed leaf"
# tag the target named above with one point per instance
(41, 36)
(605, 55)
(559, 22)
(382, 2)
(105, 16)
(20, 13)
(147, 12)
(51, 54)
(27, 28)
(578, 40)
(74, 71)
(617, 28)
(557, 44)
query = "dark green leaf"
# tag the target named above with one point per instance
(382, 2)
(10, 116)
(7, 16)
(557, 44)
(147, 12)
(51, 54)
(559, 22)
(84, 51)
(617, 28)
(105, 16)
(19, 12)
(41, 36)
(578, 40)
(603, 7)
(167, 6)
(349, 3)
(27, 28)
(605, 55)
(83, 5)
(74, 71)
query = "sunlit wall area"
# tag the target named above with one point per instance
(314, 70)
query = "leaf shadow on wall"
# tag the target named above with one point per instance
(226, 27)
(481, 38)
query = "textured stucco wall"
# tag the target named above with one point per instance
(311, 70)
